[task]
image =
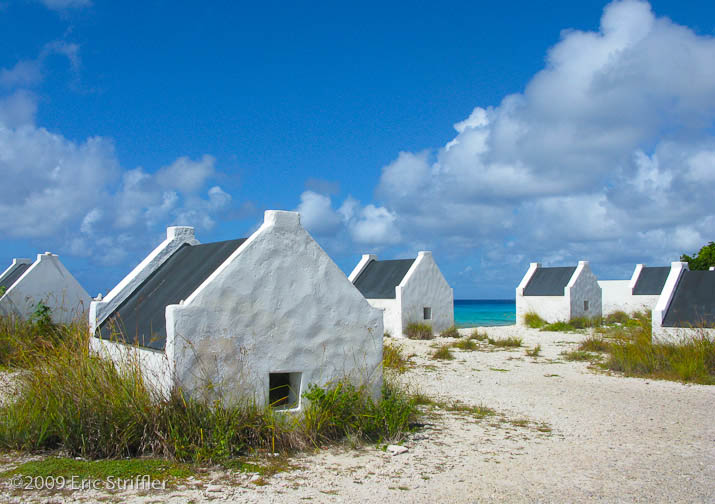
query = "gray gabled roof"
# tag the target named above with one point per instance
(693, 303)
(14, 275)
(140, 318)
(549, 281)
(379, 278)
(651, 281)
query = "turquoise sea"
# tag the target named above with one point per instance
(484, 312)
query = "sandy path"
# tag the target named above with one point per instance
(612, 439)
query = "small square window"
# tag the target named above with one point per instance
(427, 311)
(585, 306)
(283, 390)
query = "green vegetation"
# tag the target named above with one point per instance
(625, 345)
(74, 401)
(466, 344)
(532, 320)
(394, 358)
(510, 342)
(703, 259)
(574, 324)
(534, 352)
(450, 332)
(419, 331)
(478, 336)
(443, 353)
(617, 317)
(156, 469)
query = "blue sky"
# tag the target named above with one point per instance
(494, 135)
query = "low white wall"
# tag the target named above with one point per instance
(549, 308)
(155, 365)
(49, 282)
(617, 296)
(391, 318)
(425, 286)
(278, 304)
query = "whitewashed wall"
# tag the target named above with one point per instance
(617, 296)
(277, 304)
(549, 308)
(391, 315)
(49, 282)
(425, 286)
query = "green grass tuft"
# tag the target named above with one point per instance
(450, 332)
(533, 320)
(419, 331)
(510, 342)
(465, 344)
(478, 336)
(394, 358)
(443, 353)
(534, 352)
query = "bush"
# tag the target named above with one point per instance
(22, 342)
(72, 400)
(466, 344)
(479, 336)
(533, 320)
(450, 332)
(443, 353)
(511, 341)
(393, 357)
(594, 344)
(534, 352)
(617, 317)
(419, 331)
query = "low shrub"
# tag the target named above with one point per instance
(559, 326)
(72, 400)
(533, 320)
(511, 341)
(419, 331)
(443, 353)
(617, 317)
(450, 332)
(394, 358)
(465, 344)
(534, 352)
(580, 355)
(478, 336)
(594, 344)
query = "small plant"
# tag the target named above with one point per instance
(559, 326)
(617, 317)
(393, 357)
(594, 344)
(443, 353)
(419, 331)
(465, 344)
(478, 336)
(510, 342)
(450, 332)
(580, 355)
(387, 334)
(534, 352)
(533, 320)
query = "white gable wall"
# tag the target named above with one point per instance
(391, 315)
(425, 286)
(277, 304)
(583, 286)
(49, 282)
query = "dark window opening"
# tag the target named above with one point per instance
(427, 313)
(283, 390)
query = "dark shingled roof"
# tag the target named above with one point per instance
(693, 303)
(141, 317)
(379, 278)
(13, 276)
(549, 281)
(651, 281)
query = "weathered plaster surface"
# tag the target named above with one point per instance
(549, 308)
(49, 282)
(391, 318)
(278, 304)
(425, 286)
(617, 296)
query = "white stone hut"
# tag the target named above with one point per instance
(641, 292)
(407, 290)
(26, 284)
(260, 318)
(686, 307)
(559, 293)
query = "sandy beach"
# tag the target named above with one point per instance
(561, 433)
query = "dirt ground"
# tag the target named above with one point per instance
(562, 433)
